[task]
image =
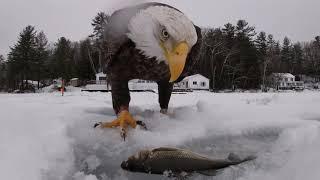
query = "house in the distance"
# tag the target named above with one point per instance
(75, 82)
(194, 82)
(142, 85)
(285, 81)
(99, 84)
(101, 78)
(135, 85)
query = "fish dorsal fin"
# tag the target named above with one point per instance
(165, 149)
(210, 172)
(233, 157)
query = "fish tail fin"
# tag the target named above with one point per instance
(235, 158)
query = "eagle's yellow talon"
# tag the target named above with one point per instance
(124, 119)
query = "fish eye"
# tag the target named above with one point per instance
(165, 34)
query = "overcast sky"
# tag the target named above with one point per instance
(297, 19)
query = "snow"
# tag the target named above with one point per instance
(47, 136)
(284, 75)
(52, 88)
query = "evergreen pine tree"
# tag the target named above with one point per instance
(247, 70)
(22, 56)
(229, 34)
(286, 56)
(85, 71)
(63, 59)
(317, 41)
(99, 23)
(261, 44)
(42, 56)
(297, 59)
(2, 72)
(277, 55)
(316, 52)
(273, 55)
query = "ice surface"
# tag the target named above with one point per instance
(46, 136)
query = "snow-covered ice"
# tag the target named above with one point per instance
(47, 136)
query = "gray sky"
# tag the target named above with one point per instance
(298, 19)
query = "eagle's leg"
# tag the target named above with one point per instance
(164, 89)
(120, 100)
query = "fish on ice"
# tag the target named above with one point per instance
(178, 161)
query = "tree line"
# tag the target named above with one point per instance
(33, 58)
(234, 56)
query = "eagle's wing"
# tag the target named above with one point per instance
(115, 33)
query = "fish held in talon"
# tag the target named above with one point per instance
(178, 161)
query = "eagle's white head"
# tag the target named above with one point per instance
(164, 33)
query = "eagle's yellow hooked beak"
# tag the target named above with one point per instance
(176, 59)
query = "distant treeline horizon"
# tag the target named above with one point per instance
(232, 56)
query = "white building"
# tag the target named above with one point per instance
(101, 78)
(285, 81)
(100, 84)
(75, 82)
(142, 85)
(195, 82)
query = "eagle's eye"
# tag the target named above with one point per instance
(165, 34)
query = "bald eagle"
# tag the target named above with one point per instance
(150, 41)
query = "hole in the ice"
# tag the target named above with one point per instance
(96, 161)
